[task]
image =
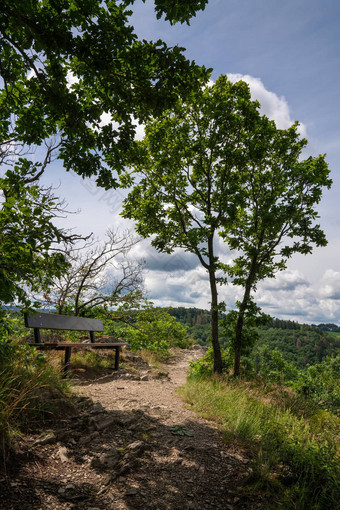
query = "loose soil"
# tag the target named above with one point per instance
(129, 443)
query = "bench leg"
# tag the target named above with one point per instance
(67, 360)
(117, 358)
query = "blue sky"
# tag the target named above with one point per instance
(289, 52)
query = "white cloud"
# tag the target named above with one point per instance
(274, 107)
(330, 285)
(287, 280)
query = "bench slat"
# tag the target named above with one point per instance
(66, 322)
(59, 346)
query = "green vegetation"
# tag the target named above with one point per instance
(285, 416)
(65, 64)
(198, 322)
(299, 344)
(92, 359)
(28, 234)
(25, 380)
(302, 346)
(150, 329)
(214, 166)
(292, 443)
(210, 165)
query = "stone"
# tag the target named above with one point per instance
(161, 375)
(88, 438)
(62, 452)
(49, 438)
(131, 492)
(105, 423)
(107, 460)
(134, 449)
(97, 408)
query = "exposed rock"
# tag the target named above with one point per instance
(97, 408)
(62, 452)
(135, 448)
(107, 460)
(198, 347)
(88, 438)
(46, 439)
(161, 375)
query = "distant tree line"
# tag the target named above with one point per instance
(328, 327)
(301, 344)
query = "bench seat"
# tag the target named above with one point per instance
(68, 323)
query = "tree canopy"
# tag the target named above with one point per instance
(216, 166)
(73, 77)
(277, 215)
(28, 233)
(66, 63)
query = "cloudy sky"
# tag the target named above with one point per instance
(289, 53)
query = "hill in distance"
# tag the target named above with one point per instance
(301, 344)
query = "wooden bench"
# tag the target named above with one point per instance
(39, 321)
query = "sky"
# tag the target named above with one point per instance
(289, 53)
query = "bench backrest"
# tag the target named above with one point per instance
(54, 321)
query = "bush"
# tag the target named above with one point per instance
(270, 365)
(204, 367)
(321, 383)
(154, 330)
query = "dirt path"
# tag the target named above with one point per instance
(134, 446)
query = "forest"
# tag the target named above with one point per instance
(301, 344)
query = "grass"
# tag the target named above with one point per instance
(93, 360)
(292, 443)
(26, 381)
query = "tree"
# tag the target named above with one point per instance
(193, 158)
(277, 214)
(66, 63)
(29, 238)
(63, 65)
(213, 167)
(99, 274)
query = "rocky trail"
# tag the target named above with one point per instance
(129, 443)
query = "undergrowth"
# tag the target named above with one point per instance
(293, 443)
(24, 377)
(93, 360)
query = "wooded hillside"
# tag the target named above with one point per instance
(301, 344)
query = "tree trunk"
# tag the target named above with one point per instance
(238, 339)
(240, 320)
(214, 323)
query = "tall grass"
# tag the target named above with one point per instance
(25, 379)
(293, 447)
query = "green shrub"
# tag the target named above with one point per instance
(321, 383)
(204, 367)
(272, 367)
(153, 329)
(92, 359)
